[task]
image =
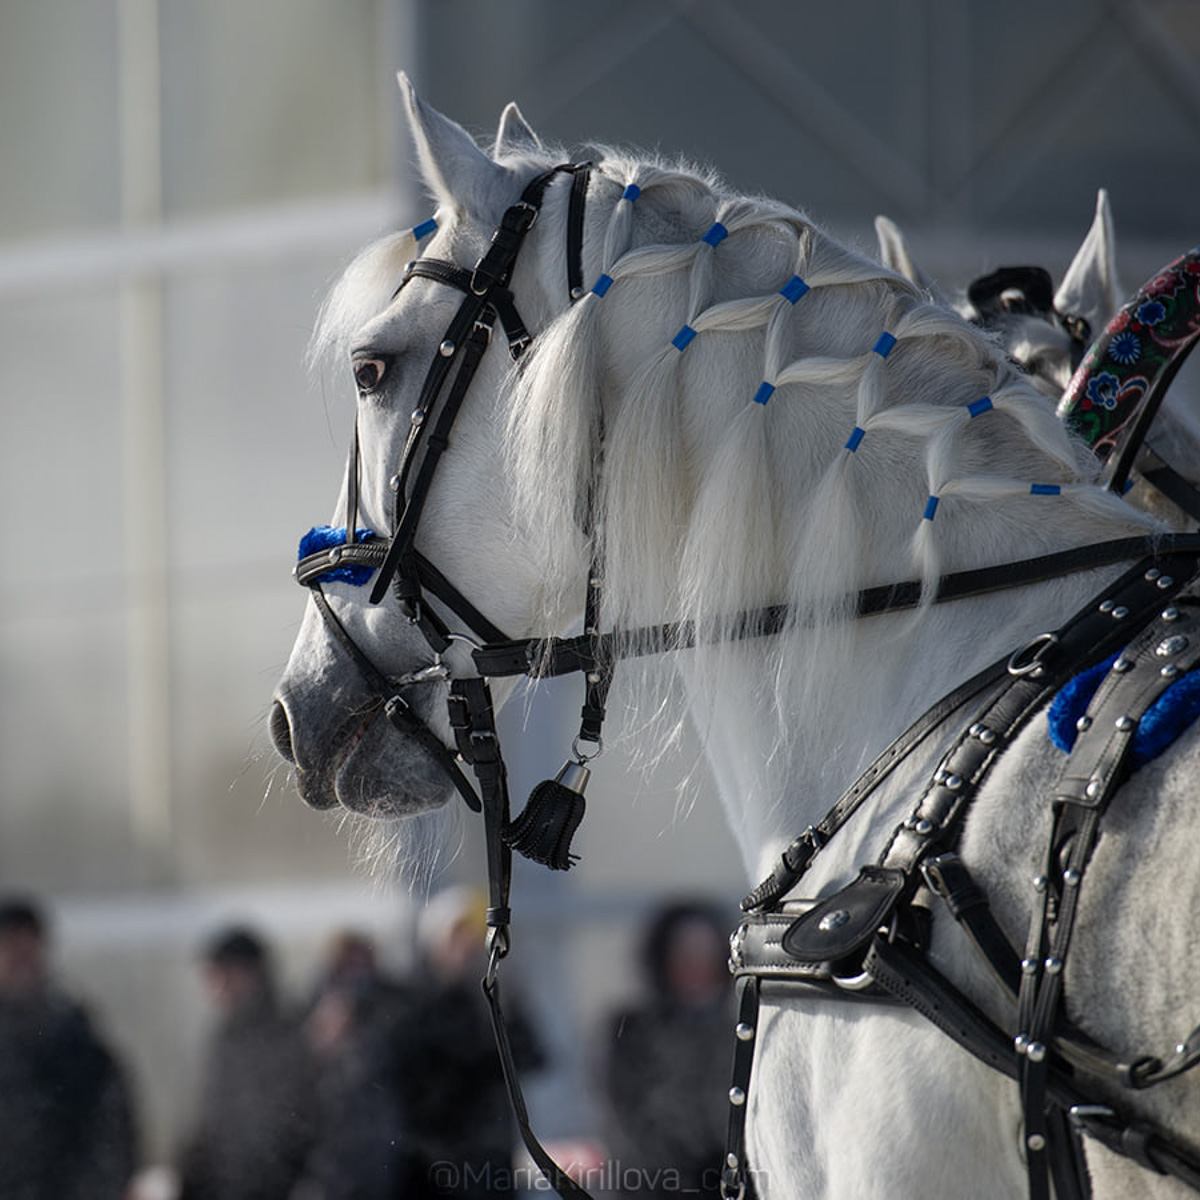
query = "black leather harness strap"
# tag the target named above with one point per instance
(1163, 650)
(548, 657)
(473, 721)
(1090, 635)
(838, 943)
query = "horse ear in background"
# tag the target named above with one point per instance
(894, 253)
(1090, 288)
(514, 136)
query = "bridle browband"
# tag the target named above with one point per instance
(413, 580)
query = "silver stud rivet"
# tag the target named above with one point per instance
(1029, 966)
(1152, 574)
(1020, 1042)
(1054, 965)
(987, 736)
(1124, 724)
(1106, 606)
(1170, 670)
(1035, 1142)
(731, 1161)
(1035, 1052)
(1071, 877)
(1122, 665)
(737, 1097)
(1039, 883)
(1093, 788)
(593, 677)
(744, 1032)
(576, 292)
(335, 554)
(833, 920)
(1120, 612)
(1165, 582)
(1175, 644)
(394, 483)
(1181, 1048)
(923, 827)
(1084, 723)
(953, 782)
(446, 349)
(1170, 613)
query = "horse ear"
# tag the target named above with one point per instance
(514, 135)
(894, 253)
(1089, 288)
(453, 167)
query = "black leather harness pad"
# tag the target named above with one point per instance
(846, 921)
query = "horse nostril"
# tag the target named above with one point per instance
(281, 732)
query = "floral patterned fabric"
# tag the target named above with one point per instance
(1133, 360)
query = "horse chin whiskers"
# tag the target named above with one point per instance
(411, 851)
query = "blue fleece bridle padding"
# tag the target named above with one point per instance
(323, 537)
(1163, 722)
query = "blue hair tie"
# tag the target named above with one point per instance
(978, 407)
(856, 436)
(631, 192)
(764, 393)
(424, 229)
(716, 234)
(1045, 489)
(793, 289)
(931, 506)
(603, 284)
(883, 347)
(683, 339)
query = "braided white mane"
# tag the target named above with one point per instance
(786, 453)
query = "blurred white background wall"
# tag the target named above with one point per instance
(179, 182)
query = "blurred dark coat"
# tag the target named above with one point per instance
(256, 1119)
(667, 1082)
(456, 1107)
(66, 1124)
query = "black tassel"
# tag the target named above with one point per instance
(543, 830)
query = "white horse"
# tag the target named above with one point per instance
(720, 423)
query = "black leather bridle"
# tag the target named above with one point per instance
(414, 580)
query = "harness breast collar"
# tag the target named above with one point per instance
(866, 939)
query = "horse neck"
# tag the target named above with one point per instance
(780, 757)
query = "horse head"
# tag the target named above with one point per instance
(384, 325)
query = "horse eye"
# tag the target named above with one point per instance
(368, 374)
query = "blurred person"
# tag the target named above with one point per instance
(458, 1126)
(255, 1122)
(351, 1027)
(667, 1059)
(66, 1120)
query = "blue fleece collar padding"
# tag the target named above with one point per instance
(1163, 722)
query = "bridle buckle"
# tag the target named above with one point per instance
(1028, 660)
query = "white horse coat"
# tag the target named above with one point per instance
(714, 494)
